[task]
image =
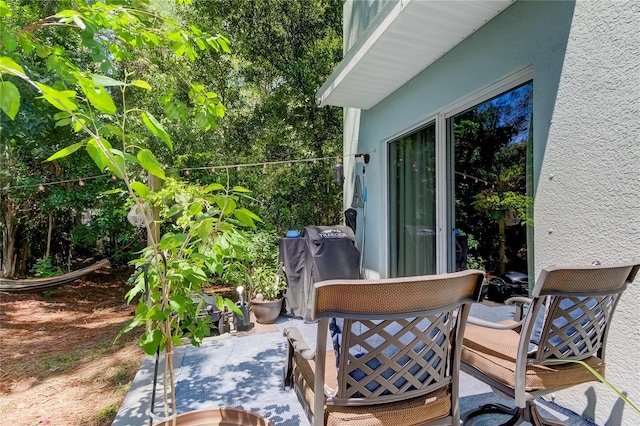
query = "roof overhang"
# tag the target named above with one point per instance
(405, 38)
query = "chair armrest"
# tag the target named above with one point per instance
(298, 343)
(510, 325)
(519, 301)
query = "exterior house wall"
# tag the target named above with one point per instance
(358, 16)
(588, 197)
(585, 62)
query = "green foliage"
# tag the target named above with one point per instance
(474, 261)
(489, 200)
(203, 226)
(283, 51)
(43, 268)
(266, 273)
(491, 145)
(50, 294)
(267, 282)
(204, 232)
(263, 249)
(107, 413)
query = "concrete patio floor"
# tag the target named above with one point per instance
(243, 370)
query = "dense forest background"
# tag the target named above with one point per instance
(281, 51)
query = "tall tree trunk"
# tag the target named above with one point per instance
(48, 252)
(9, 232)
(22, 256)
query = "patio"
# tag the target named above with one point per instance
(243, 370)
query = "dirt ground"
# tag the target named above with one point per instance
(59, 364)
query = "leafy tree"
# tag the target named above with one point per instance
(208, 228)
(107, 33)
(491, 146)
(28, 213)
(283, 51)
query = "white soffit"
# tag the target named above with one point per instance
(405, 38)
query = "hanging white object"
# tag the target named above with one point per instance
(358, 200)
(140, 215)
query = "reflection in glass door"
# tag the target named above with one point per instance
(412, 204)
(492, 207)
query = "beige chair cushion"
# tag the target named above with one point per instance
(414, 411)
(493, 352)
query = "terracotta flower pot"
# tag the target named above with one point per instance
(266, 311)
(219, 417)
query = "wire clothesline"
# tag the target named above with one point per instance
(466, 175)
(238, 166)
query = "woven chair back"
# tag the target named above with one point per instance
(396, 334)
(578, 308)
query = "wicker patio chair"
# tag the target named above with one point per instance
(567, 319)
(396, 350)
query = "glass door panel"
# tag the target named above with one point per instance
(412, 204)
(491, 202)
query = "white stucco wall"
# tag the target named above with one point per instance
(588, 197)
(585, 58)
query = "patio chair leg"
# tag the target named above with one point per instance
(516, 413)
(287, 370)
(537, 419)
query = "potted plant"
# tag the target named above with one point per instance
(268, 283)
(204, 226)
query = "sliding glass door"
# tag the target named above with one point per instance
(483, 196)
(412, 203)
(490, 197)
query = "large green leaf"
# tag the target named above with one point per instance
(103, 80)
(226, 204)
(246, 217)
(9, 41)
(149, 162)
(140, 188)
(204, 228)
(156, 128)
(96, 154)
(64, 100)
(151, 341)
(233, 307)
(141, 83)
(9, 98)
(98, 96)
(9, 66)
(66, 151)
(118, 168)
(195, 208)
(4, 9)
(241, 189)
(213, 187)
(178, 304)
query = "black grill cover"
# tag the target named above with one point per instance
(321, 253)
(331, 254)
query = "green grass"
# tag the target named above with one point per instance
(61, 362)
(107, 414)
(50, 294)
(120, 377)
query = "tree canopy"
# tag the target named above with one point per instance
(244, 97)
